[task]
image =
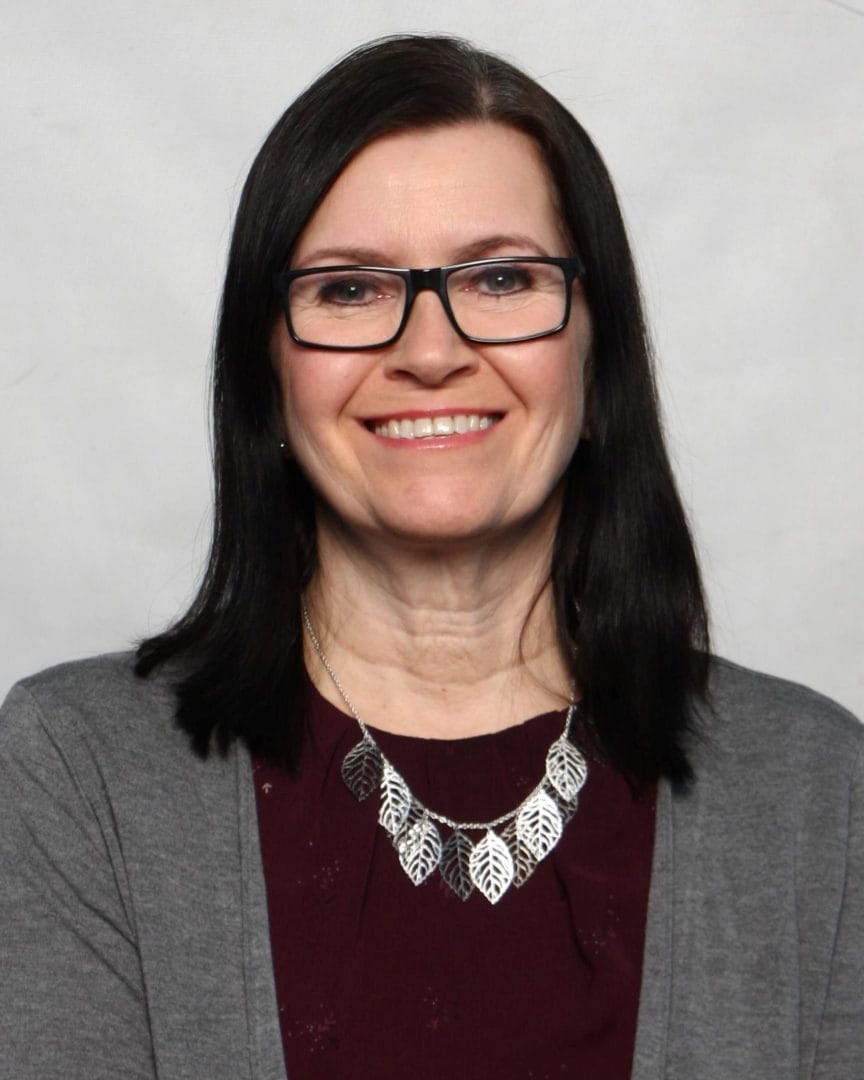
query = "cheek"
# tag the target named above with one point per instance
(578, 371)
(304, 403)
(302, 397)
(316, 392)
(560, 378)
(560, 397)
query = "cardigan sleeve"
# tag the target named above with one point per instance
(72, 1002)
(840, 1047)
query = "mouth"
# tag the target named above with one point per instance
(432, 427)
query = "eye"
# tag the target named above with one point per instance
(500, 280)
(350, 290)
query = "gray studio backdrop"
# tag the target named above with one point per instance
(734, 130)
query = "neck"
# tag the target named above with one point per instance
(441, 641)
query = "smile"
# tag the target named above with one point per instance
(429, 427)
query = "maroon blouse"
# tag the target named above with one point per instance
(379, 978)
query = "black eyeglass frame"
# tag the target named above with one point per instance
(435, 279)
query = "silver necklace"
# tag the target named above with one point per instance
(491, 864)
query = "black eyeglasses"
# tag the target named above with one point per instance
(490, 301)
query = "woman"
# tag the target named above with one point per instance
(467, 795)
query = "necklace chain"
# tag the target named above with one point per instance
(531, 830)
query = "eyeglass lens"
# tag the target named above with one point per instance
(357, 308)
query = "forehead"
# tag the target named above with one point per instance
(431, 194)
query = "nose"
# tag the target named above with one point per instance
(429, 349)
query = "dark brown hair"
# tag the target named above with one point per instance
(629, 605)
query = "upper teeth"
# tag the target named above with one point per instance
(425, 426)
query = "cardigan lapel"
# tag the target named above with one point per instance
(262, 1013)
(652, 1029)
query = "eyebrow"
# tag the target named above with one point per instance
(483, 248)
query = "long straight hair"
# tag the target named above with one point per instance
(629, 606)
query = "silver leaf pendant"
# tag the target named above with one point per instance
(566, 808)
(523, 861)
(456, 864)
(491, 867)
(415, 813)
(539, 825)
(565, 768)
(395, 800)
(420, 850)
(362, 769)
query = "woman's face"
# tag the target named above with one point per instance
(426, 198)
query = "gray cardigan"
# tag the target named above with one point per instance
(133, 923)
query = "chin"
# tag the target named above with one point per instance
(436, 532)
(442, 527)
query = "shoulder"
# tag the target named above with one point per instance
(778, 777)
(95, 685)
(774, 727)
(96, 709)
(92, 742)
(765, 698)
